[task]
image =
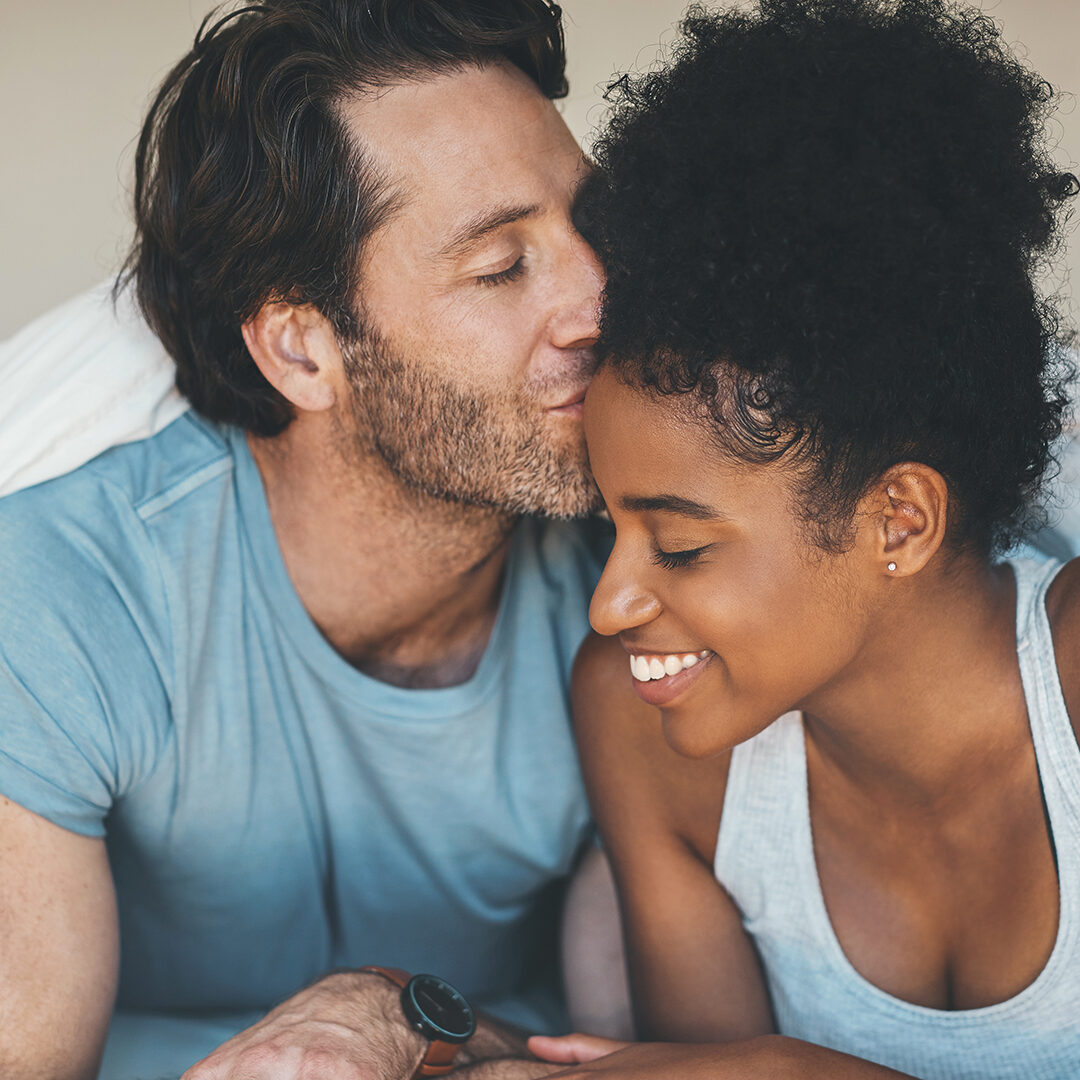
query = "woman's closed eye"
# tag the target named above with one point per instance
(675, 560)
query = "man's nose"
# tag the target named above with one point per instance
(577, 322)
(621, 601)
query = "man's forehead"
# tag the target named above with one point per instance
(485, 135)
(428, 101)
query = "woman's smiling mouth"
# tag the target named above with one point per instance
(660, 677)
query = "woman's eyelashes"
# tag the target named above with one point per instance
(676, 560)
(511, 273)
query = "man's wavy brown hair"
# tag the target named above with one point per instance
(248, 188)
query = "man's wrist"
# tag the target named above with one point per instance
(343, 1016)
(389, 994)
(381, 1000)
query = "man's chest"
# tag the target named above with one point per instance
(286, 830)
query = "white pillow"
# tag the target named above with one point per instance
(85, 376)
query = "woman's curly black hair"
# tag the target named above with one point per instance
(825, 217)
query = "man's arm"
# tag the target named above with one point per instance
(58, 949)
(350, 1024)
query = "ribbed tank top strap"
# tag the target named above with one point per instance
(1056, 749)
(763, 805)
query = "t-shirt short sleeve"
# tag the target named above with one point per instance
(84, 703)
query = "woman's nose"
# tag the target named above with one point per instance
(620, 601)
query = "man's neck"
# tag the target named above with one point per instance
(403, 586)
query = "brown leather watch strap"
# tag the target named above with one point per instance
(439, 1059)
(398, 977)
(440, 1056)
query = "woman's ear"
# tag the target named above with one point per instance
(296, 350)
(910, 504)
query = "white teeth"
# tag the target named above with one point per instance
(646, 668)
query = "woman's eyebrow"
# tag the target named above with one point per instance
(670, 504)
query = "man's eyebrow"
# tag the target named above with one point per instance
(473, 231)
(670, 504)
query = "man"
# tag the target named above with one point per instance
(282, 684)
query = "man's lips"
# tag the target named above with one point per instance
(572, 403)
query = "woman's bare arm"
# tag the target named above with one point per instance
(698, 987)
(695, 973)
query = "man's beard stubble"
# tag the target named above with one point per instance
(487, 451)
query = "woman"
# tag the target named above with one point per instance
(826, 404)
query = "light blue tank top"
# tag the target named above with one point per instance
(765, 860)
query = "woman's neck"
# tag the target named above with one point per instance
(933, 704)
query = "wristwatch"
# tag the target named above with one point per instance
(436, 1010)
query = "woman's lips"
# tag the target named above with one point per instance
(661, 677)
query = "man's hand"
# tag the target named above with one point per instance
(347, 1026)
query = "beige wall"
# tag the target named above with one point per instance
(75, 75)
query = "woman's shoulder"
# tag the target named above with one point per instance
(610, 720)
(631, 771)
(1063, 611)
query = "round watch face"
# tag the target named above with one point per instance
(437, 1010)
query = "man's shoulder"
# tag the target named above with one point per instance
(89, 654)
(135, 481)
(153, 474)
(93, 539)
(88, 584)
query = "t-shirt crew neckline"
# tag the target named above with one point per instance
(316, 651)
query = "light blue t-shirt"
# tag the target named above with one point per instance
(269, 811)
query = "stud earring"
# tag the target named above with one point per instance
(892, 566)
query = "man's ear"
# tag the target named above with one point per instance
(910, 504)
(295, 348)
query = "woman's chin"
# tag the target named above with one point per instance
(699, 734)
